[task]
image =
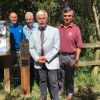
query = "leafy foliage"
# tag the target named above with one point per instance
(84, 18)
(83, 77)
(83, 12)
(86, 27)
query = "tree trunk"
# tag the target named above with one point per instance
(96, 17)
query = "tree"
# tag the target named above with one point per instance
(96, 17)
(86, 12)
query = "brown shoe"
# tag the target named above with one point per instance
(61, 93)
(70, 97)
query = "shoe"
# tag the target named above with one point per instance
(70, 97)
(61, 93)
(40, 98)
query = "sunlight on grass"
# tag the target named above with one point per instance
(81, 80)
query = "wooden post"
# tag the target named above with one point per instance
(5, 53)
(7, 80)
(96, 68)
(25, 67)
(6, 65)
(7, 62)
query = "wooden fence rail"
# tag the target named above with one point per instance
(88, 63)
(91, 45)
(97, 54)
(96, 62)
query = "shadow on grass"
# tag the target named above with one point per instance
(86, 94)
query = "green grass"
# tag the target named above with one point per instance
(35, 93)
(81, 80)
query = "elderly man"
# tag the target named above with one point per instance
(30, 25)
(44, 47)
(70, 48)
(27, 30)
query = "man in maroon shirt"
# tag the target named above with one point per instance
(70, 48)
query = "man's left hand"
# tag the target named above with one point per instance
(75, 63)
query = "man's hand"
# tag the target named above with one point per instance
(42, 59)
(75, 63)
(18, 53)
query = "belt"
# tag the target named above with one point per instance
(67, 53)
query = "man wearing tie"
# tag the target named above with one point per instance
(44, 46)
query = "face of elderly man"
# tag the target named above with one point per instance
(42, 20)
(29, 19)
(68, 17)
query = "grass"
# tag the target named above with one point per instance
(85, 87)
(16, 93)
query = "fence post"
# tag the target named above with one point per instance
(5, 53)
(25, 67)
(96, 68)
(7, 79)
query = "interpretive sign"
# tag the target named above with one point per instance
(4, 39)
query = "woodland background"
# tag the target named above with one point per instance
(87, 17)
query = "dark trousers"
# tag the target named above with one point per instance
(69, 80)
(61, 78)
(15, 69)
(32, 72)
(66, 73)
(48, 78)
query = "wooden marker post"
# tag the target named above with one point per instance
(25, 67)
(6, 76)
(96, 68)
(5, 53)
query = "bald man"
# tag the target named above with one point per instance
(16, 35)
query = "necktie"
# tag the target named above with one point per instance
(42, 40)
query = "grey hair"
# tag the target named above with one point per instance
(41, 12)
(28, 14)
(66, 10)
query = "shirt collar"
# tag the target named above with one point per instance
(11, 25)
(33, 26)
(69, 26)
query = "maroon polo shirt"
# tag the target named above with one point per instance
(70, 38)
